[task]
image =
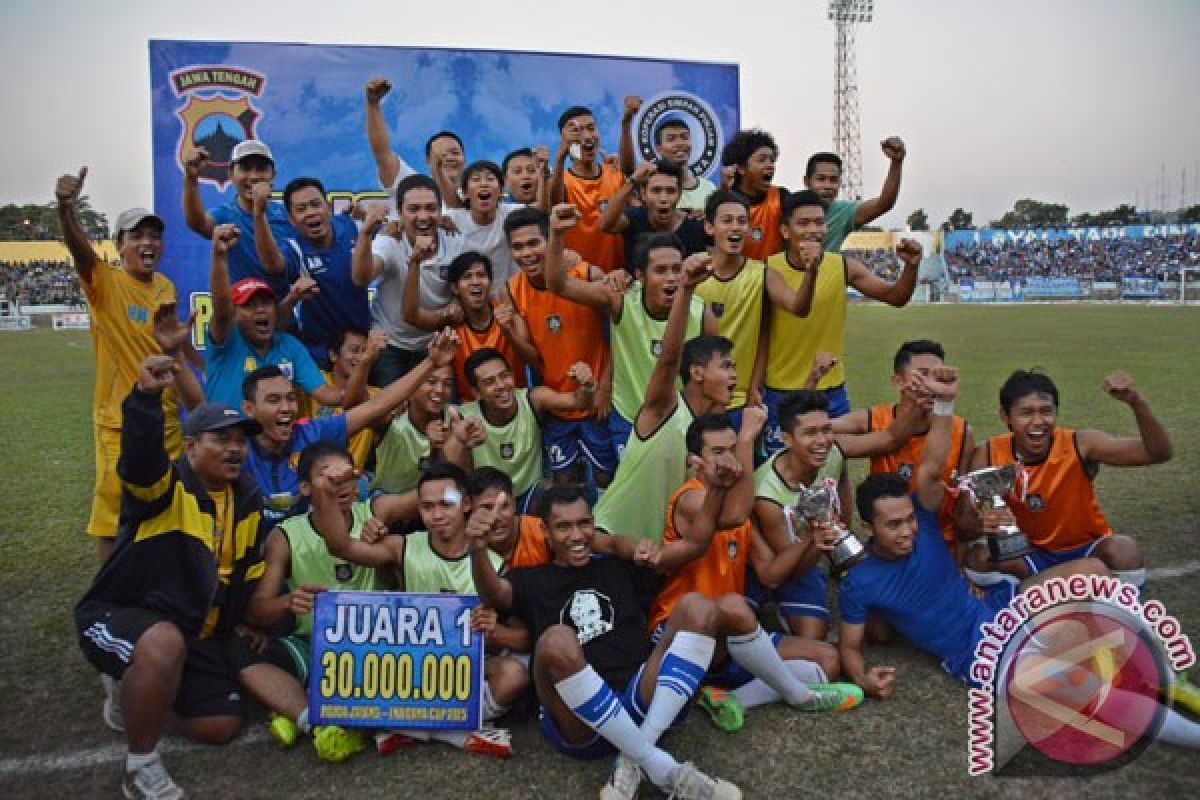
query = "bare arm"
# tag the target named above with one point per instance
(329, 521)
(894, 294)
(513, 326)
(854, 422)
(878, 682)
(625, 149)
(430, 319)
(868, 210)
(558, 187)
(389, 398)
(223, 238)
(67, 192)
(364, 264)
(799, 302)
(695, 519)
(596, 294)
(784, 556)
(943, 383)
(386, 162)
(739, 500)
(194, 213)
(1152, 445)
(544, 400)
(356, 386)
(612, 219)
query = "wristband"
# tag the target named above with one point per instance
(943, 408)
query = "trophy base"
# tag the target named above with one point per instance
(846, 553)
(1008, 546)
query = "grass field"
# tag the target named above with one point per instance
(914, 745)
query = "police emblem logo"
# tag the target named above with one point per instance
(656, 347)
(507, 449)
(1035, 502)
(703, 128)
(905, 471)
(756, 234)
(717, 308)
(212, 119)
(343, 572)
(554, 323)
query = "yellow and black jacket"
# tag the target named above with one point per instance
(164, 558)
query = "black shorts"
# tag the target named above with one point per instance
(208, 687)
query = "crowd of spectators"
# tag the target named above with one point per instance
(1159, 257)
(882, 262)
(40, 283)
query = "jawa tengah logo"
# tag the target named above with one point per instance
(217, 114)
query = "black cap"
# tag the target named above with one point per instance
(215, 417)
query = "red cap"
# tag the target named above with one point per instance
(246, 288)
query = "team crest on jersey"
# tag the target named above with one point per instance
(590, 613)
(656, 347)
(217, 114)
(678, 105)
(554, 323)
(732, 549)
(287, 369)
(507, 449)
(603, 206)
(905, 471)
(717, 308)
(343, 572)
(756, 234)
(1035, 502)
(443, 271)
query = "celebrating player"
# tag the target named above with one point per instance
(823, 175)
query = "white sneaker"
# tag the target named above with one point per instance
(151, 782)
(111, 712)
(689, 783)
(624, 781)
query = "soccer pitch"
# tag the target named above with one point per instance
(53, 743)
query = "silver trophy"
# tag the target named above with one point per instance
(817, 505)
(987, 488)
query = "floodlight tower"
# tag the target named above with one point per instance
(847, 15)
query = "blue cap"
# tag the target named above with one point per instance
(217, 416)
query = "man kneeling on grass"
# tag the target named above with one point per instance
(602, 685)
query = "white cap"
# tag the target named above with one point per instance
(251, 147)
(130, 218)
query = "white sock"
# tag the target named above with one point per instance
(757, 654)
(594, 702)
(1179, 730)
(302, 721)
(491, 709)
(135, 761)
(683, 667)
(756, 693)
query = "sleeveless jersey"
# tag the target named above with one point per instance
(515, 448)
(637, 346)
(426, 571)
(1059, 511)
(635, 503)
(721, 570)
(471, 340)
(766, 238)
(770, 485)
(312, 563)
(796, 340)
(591, 196)
(531, 549)
(563, 332)
(400, 456)
(905, 460)
(737, 303)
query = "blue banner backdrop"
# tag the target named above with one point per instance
(306, 102)
(1000, 236)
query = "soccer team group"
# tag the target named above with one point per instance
(587, 389)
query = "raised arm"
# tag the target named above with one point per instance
(596, 294)
(541, 157)
(495, 592)
(174, 339)
(66, 192)
(739, 499)
(513, 326)
(264, 239)
(660, 398)
(356, 386)
(330, 521)
(194, 214)
(1152, 445)
(942, 383)
(879, 443)
(626, 154)
(364, 264)
(304, 288)
(799, 302)
(868, 210)
(429, 319)
(558, 186)
(894, 294)
(695, 520)
(612, 218)
(224, 237)
(392, 396)
(784, 556)
(387, 163)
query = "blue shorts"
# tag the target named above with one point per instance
(1041, 560)
(565, 439)
(527, 502)
(997, 596)
(598, 746)
(805, 595)
(619, 431)
(839, 405)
